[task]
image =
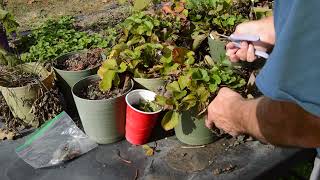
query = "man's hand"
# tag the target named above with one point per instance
(224, 112)
(263, 28)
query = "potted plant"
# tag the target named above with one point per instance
(101, 104)
(187, 97)
(72, 67)
(141, 117)
(20, 86)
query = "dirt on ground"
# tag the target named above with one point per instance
(81, 61)
(31, 13)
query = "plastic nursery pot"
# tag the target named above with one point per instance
(139, 124)
(150, 84)
(66, 79)
(21, 99)
(72, 77)
(191, 130)
(102, 120)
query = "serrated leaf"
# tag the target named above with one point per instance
(203, 93)
(174, 87)
(189, 101)
(213, 88)
(170, 120)
(161, 100)
(196, 74)
(183, 81)
(178, 55)
(180, 95)
(216, 79)
(205, 76)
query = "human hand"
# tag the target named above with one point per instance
(263, 28)
(224, 112)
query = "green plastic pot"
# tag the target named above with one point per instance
(102, 120)
(72, 77)
(191, 130)
(151, 84)
(66, 79)
(21, 99)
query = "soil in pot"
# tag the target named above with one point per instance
(81, 61)
(93, 91)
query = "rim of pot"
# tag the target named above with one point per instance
(70, 54)
(42, 78)
(92, 76)
(137, 110)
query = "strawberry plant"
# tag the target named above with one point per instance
(223, 15)
(195, 88)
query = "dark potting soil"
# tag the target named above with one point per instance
(93, 91)
(82, 61)
(14, 77)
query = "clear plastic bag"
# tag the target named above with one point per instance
(57, 141)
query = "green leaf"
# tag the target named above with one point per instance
(106, 82)
(216, 79)
(197, 41)
(179, 95)
(174, 87)
(170, 120)
(209, 60)
(148, 150)
(110, 64)
(196, 74)
(190, 58)
(189, 101)
(183, 81)
(161, 100)
(205, 76)
(203, 93)
(123, 67)
(213, 88)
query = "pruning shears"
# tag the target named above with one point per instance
(236, 39)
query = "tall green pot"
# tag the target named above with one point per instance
(151, 84)
(21, 99)
(102, 120)
(191, 130)
(66, 79)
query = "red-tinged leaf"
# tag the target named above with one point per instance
(178, 55)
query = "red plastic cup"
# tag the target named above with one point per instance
(139, 124)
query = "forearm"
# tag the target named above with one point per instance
(280, 123)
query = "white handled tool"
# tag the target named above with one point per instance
(236, 39)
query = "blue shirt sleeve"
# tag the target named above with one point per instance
(292, 72)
